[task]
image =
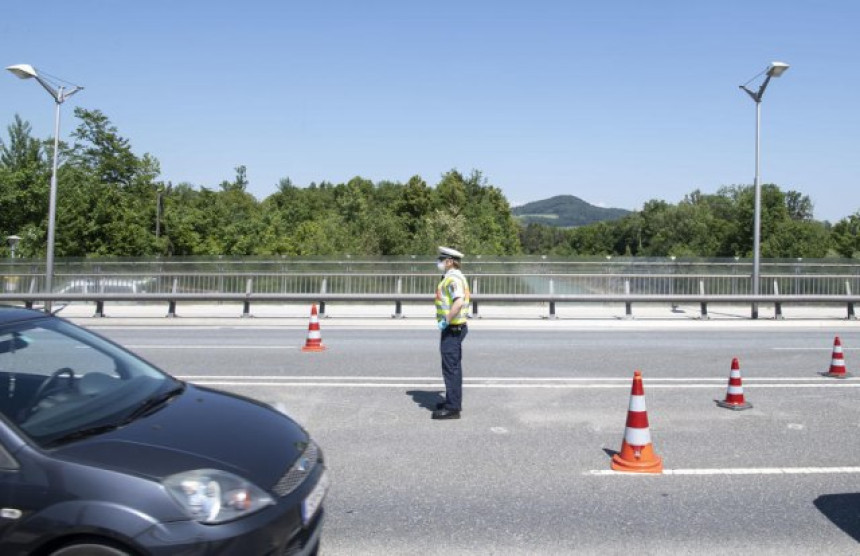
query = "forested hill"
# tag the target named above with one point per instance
(565, 211)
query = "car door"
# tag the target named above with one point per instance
(9, 477)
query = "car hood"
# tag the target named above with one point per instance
(201, 428)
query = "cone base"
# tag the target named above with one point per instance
(837, 375)
(647, 462)
(313, 348)
(734, 406)
(655, 467)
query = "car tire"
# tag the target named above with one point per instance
(90, 549)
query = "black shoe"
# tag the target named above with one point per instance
(440, 405)
(446, 414)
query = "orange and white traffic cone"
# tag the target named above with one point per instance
(637, 455)
(837, 362)
(314, 341)
(735, 393)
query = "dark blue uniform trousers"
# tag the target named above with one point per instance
(451, 347)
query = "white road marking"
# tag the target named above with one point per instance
(480, 382)
(737, 471)
(322, 384)
(810, 348)
(142, 327)
(626, 380)
(220, 346)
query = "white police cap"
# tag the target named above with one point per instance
(447, 252)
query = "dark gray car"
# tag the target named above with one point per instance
(102, 453)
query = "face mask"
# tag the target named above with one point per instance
(440, 265)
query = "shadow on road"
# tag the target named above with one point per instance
(843, 510)
(426, 398)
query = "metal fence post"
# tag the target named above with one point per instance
(850, 303)
(398, 305)
(474, 312)
(171, 305)
(33, 285)
(552, 315)
(628, 305)
(246, 306)
(323, 289)
(672, 284)
(100, 304)
(704, 304)
(777, 306)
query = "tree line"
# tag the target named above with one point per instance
(111, 203)
(718, 225)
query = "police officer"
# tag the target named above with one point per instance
(452, 305)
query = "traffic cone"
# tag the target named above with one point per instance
(637, 455)
(837, 362)
(735, 393)
(314, 341)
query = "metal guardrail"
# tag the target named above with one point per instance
(399, 297)
(405, 282)
(398, 280)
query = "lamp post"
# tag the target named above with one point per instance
(775, 69)
(13, 244)
(59, 94)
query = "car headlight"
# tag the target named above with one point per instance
(213, 496)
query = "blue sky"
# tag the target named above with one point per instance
(615, 102)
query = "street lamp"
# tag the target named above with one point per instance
(59, 94)
(775, 69)
(13, 243)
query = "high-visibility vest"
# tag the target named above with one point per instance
(451, 282)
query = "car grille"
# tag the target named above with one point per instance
(298, 472)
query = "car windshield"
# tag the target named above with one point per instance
(59, 382)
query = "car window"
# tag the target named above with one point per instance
(7, 462)
(46, 351)
(57, 379)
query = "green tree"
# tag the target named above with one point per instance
(183, 219)
(539, 239)
(451, 193)
(845, 236)
(100, 149)
(24, 187)
(796, 238)
(595, 239)
(22, 150)
(233, 222)
(799, 206)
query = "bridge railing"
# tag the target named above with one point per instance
(397, 288)
(418, 282)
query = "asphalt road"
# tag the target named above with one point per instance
(526, 471)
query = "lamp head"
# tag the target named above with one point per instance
(23, 71)
(777, 68)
